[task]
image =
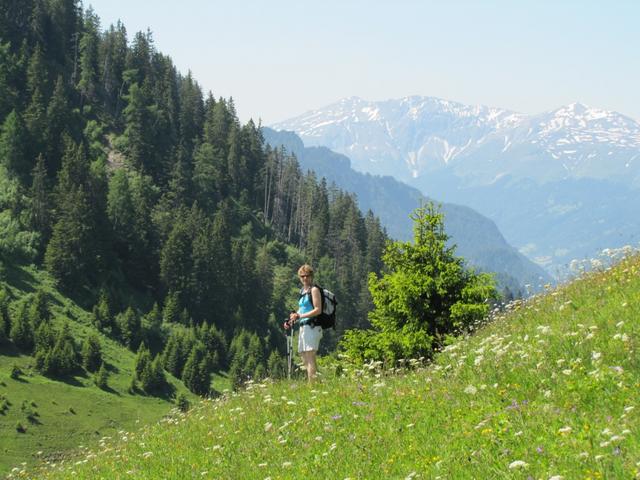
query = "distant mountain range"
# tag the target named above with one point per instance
(477, 238)
(560, 185)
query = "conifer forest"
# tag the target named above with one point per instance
(151, 205)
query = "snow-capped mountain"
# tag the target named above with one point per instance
(560, 185)
(413, 136)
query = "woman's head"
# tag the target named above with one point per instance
(305, 271)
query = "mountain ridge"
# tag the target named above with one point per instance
(483, 246)
(537, 176)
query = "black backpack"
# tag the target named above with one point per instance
(327, 317)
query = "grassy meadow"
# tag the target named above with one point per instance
(548, 390)
(59, 415)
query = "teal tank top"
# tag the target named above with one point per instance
(305, 305)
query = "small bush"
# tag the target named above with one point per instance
(16, 372)
(20, 428)
(183, 402)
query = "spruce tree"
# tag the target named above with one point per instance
(101, 313)
(424, 294)
(39, 310)
(8, 92)
(139, 130)
(21, 333)
(129, 328)
(58, 121)
(143, 357)
(101, 378)
(171, 310)
(40, 211)
(91, 353)
(196, 374)
(14, 149)
(74, 255)
(89, 71)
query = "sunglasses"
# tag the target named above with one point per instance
(304, 276)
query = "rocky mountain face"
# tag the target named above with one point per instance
(560, 185)
(477, 238)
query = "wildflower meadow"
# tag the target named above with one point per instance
(548, 389)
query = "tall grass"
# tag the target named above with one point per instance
(548, 390)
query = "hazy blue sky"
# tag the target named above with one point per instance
(280, 58)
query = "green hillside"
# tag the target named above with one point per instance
(547, 390)
(58, 415)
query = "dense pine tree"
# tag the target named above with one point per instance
(119, 176)
(91, 353)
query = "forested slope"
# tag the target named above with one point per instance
(131, 194)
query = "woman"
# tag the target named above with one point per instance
(309, 337)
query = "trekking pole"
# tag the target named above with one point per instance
(289, 333)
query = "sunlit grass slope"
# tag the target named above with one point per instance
(550, 390)
(60, 415)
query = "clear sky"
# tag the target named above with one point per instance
(280, 58)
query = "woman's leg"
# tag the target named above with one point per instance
(309, 359)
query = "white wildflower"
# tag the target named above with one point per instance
(565, 430)
(517, 464)
(471, 390)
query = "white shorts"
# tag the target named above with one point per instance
(309, 338)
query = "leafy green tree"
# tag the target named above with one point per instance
(425, 294)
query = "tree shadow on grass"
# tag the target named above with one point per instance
(19, 278)
(9, 349)
(108, 389)
(34, 420)
(166, 392)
